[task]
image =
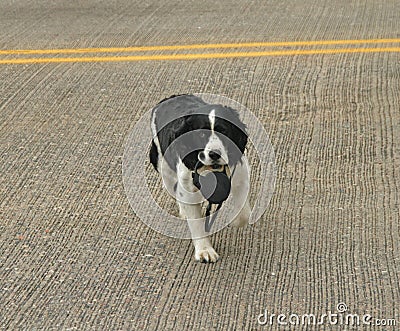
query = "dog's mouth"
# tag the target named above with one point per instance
(214, 167)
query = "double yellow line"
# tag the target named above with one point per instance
(61, 55)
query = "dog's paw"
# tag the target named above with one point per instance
(206, 255)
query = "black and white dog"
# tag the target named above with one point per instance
(189, 133)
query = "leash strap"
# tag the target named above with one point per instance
(210, 220)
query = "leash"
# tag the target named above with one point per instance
(215, 187)
(210, 220)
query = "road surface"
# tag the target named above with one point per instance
(324, 79)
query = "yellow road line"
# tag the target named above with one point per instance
(135, 58)
(198, 46)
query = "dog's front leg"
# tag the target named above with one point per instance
(203, 250)
(188, 198)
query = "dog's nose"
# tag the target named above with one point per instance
(214, 155)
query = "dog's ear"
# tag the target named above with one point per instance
(171, 131)
(239, 129)
(190, 121)
(241, 138)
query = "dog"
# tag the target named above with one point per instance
(190, 134)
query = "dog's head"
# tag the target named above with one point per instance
(215, 136)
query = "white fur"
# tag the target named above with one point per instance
(154, 131)
(211, 117)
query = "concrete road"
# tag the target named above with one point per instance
(73, 255)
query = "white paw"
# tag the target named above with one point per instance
(206, 255)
